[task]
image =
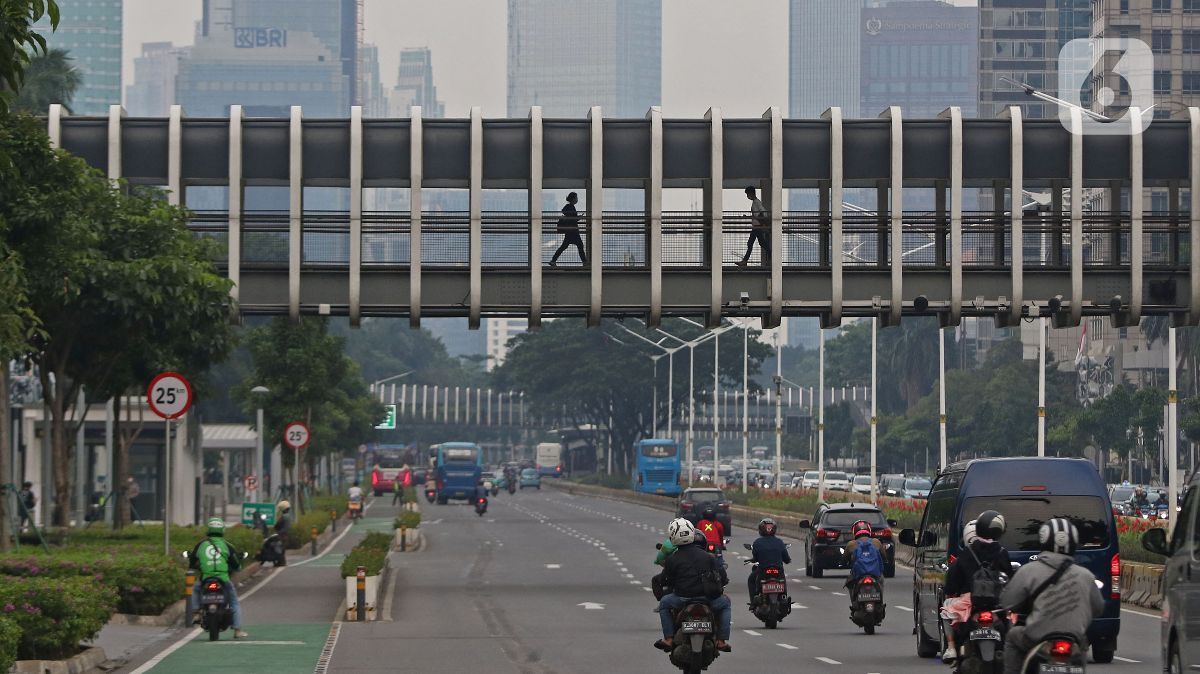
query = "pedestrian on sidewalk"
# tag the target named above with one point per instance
(760, 230)
(28, 503)
(568, 226)
(132, 490)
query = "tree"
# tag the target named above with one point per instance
(49, 78)
(121, 287)
(382, 351)
(18, 40)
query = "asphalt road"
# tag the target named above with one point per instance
(549, 582)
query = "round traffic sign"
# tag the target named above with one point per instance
(169, 395)
(296, 435)
(251, 482)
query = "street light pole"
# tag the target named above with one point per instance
(716, 409)
(691, 412)
(745, 406)
(259, 392)
(1041, 422)
(1172, 431)
(778, 411)
(821, 418)
(941, 398)
(874, 417)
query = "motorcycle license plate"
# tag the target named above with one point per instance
(868, 595)
(697, 627)
(1046, 668)
(215, 598)
(985, 633)
(772, 588)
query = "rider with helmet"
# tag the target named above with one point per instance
(1057, 595)
(766, 551)
(216, 557)
(861, 532)
(981, 549)
(712, 528)
(683, 573)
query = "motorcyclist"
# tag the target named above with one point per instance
(766, 551)
(216, 557)
(356, 493)
(862, 534)
(682, 572)
(980, 547)
(1056, 595)
(283, 529)
(1140, 500)
(712, 529)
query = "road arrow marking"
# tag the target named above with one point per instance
(591, 606)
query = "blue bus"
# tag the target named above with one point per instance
(658, 467)
(458, 467)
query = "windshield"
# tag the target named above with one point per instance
(529, 472)
(389, 462)
(862, 479)
(811, 475)
(1025, 515)
(835, 476)
(1121, 494)
(659, 451)
(922, 485)
(845, 518)
(705, 496)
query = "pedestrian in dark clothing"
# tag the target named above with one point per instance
(568, 226)
(28, 503)
(760, 229)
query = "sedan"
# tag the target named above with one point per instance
(916, 487)
(837, 481)
(810, 480)
(861, 485)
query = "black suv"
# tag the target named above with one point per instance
(693, 502)
(1181, 582)
(829, 532)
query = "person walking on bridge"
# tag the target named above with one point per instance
(568, 226)
(760, 229)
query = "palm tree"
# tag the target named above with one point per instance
(49, 78)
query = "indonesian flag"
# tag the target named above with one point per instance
(1079, 355)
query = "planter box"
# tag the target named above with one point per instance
(372, 591)
(88, 660)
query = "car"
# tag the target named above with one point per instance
(828, 533)
(837, 481)
(1121, 496)
(1181, 582)
(1026, 491)
(861, 484)
(916, 487)
(529, 477)
(692, 503)
(810, 480)
(891, 485)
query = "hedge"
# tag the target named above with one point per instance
(10, 638)
(149, 537)
(55, 614)
(145, 583)
(409, 519)
(300, 534)
(371, 552)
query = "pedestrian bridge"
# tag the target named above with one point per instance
(1095, 246)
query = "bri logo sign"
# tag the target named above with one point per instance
(250, 38)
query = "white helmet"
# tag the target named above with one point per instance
(1059, 535)
(969, 534)
(681, 532)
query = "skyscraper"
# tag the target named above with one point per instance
(152, 92)
(371, 95)
(414, 85)
(569, 56)
(90, 30)
(824, 57)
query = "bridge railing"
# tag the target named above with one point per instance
(807, 240)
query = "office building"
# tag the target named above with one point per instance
(499, 331)
(90, 31)
(921, 56)
(414, 85)
(569, 56)
(824, 57)
(371, 95)
(1021, 40)
(152, 92)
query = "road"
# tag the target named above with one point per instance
(548, 582)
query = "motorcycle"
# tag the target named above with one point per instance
(772, 603)
(491, 487)
(1056, 654)
(274, 550)
(354, 510)
(216, 614)
(866, 603)
(695, 643)
(512, 486)
(983, 651)
(430, 494)
(718, 549)
(481, 505)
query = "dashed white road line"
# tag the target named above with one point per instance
(1132, 662)
(814, 587)
(904, 608)
(753, 633)
(838, 594)
(828, 661)
(798, 606)
(789, 647)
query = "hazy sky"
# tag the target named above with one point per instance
(715, 52)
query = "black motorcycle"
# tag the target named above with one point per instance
(866, 603)
(481, 505)
(273, 551)
(983, 650)
(512, 486)
(216, 614)
(695, 642)
(430, 494)
(772, 602)
(1056, 654)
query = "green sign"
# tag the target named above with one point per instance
(265, 510)
(389, 421)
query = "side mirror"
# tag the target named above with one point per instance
(893, 523)
(747, 546)
(1155, 540)
(908, 537)
(805, 524)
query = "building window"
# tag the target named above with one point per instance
(1191, 6)
(1162, 81)
(1162, 6)
(1125, 6)
(1161, 41)
(1191, 82)
(1191, 41)
(1162, 113)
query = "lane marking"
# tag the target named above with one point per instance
(904, 608)
(838, 594)
(330, 643)
(789, 647)
(814, 587)
(753, 633)
(798, 606)
(554, 566)
(828, 661)
(153, 662)
(1133, 662)
(254, 643)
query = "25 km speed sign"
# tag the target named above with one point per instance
(296, 435)
(169, 395)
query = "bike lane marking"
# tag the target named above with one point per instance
(286, 649)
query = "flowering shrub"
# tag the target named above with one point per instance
(145, 583)
(10, 637)
(53, 614)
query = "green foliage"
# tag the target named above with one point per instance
(603, 480)
(10, 639)
(382, 351)
(326, 504)
(149, 537)
(49, 78)
(371, 552)
(410, 519)
(18, 41)
(145, 582)
(300, 534)
(55, 614)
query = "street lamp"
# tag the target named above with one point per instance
(377, 382)
(259, 392)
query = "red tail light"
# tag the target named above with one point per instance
(1061, 647)
(985, 618)
(953, 558)
(1115, 570)
(882, 533)
(482, 501)
(772, 572)
(867, 580)
(213, 586)
(723, 506)
(831, 534)
(685, 506)
(698, 611)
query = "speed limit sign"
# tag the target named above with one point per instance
(169, 395)
(295, 435)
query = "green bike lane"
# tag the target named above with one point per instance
(289, 613)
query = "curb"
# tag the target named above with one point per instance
(173, 614)
(84, 662)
